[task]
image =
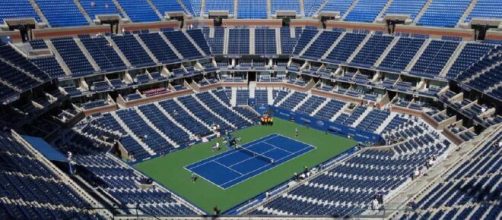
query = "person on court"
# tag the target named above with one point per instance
(216, 147)
(296, 132)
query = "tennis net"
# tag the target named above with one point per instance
(257, 155)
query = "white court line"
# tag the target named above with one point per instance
(198, 175)
(230, 168)
(251, 158)
(308, 148)
(223, 155)
(265, 168)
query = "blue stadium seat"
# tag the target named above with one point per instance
(285, 5)
(17, 9)
(238, 41)
(104, 55)
(99, 7)
(264, 41)
(491, 9)
(406, 7)
(159, 48)
(139, 10)
(252, 9)
(444, 13)
(73, 56)
(133, 51)
(62, 13)
(366, 10)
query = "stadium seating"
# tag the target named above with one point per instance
(252, 9)
(285, 5)
(17, 9)
(99, 7)
(468, 191)
(73, 56)
(490, 9)
(401, 54)
(471, 54)
(242, 97)
(444, 13)
(372, 50)
(217, 41)
(434, 58)
(287, 42)
(115, 100)
(345, 48)
(311, 104)
(62, 13)
(167, 6)
(366, 10)
(305, 37)
(238, 41)
(220, 5)
(406, 7)
(138, 10)
(180, 41)
(312, 6)
(318, 47)
(50, 66)
(159, 48)
(198, 37)
(132, 50)
(339, 6)
(28, 181)
(340, 192)
(104, 55)
(264, 40)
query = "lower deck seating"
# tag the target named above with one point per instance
(28, 183)
(470, 191)
(348, 188)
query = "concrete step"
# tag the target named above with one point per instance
(118, 51)
(320, 107)
(422, 12)
(335, 116)
(87, 54)
(362, 117)
(84, 13)
(302, 102)
(178, 54)
(147, 50)
(352, 6)
(136, 138)
(385, 122)
(285, 98)
(358, 49)
(194, 43)
(167, 115)
(233, 97)
(418, 55)
(212, 112)
(151, 125)
(191, 114)
(387, 51)
(229, 108)
(332, 46)
(452, 59)
(58, 58)
(270, 96)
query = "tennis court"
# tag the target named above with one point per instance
(236, 165)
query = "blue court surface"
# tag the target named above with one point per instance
(236, 165)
